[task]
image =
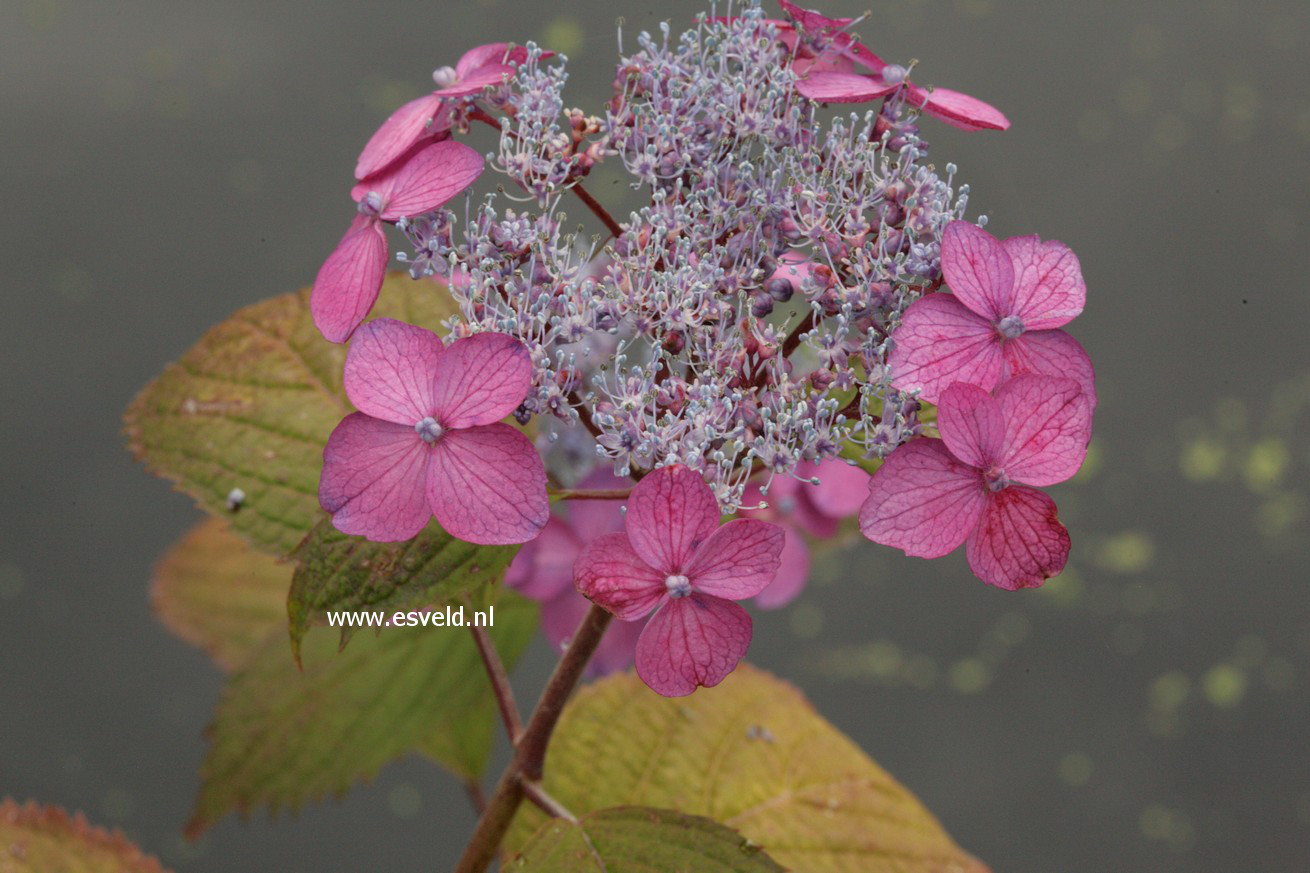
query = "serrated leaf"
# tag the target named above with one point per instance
(752, 754)
(283, 737)
(215, 591)
(45, 839)
(251, 405)
(336, 572)
(636, 839)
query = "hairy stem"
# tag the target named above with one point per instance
(530, 751)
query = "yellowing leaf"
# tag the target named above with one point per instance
(632, 839)
(282, 737)
(752, 754)
(45, 839)
(250, 406)
(214, 591)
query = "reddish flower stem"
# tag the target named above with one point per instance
(583, 194)
(509, 711)
(530, 752)
(794, 338)
(593, 493)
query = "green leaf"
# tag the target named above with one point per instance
(214, 591)
(636, 839)
(45, 839)
(282, 737)
(251, 405)
(336, 572)
(752, 754)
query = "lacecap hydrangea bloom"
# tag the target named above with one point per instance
(794, 288)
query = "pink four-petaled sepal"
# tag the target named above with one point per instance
(1009, 299)
(974, 484)
(675, 558)
(348, 283)
(832, 78)
(428, 439)
(428, 117)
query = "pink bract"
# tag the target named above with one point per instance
(676, 559)
(428, 117)
(428, 439)
(348, 283)
(973, 485)
(797, 506)
(834, 80)
(543, 571)
(1009, 297)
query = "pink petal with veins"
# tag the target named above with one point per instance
(978, 270)
(812, 19)
(671, 511)
(481, 56)
(1051, 353)
(482, 379)
(922, 500)
(939, 342)
(610, 573)
(971, 424)
(842, 487)
(793, 571)
(1048, 423)
(543, 569)
(348, 283)
(1049, 290)
(389, 369)
(430, 178)
(487, 485)
(1019, 542)
(958, 110)
(739, 560)
(372, 481)
(418, 118)
(831, 86)
(690, 642)
(477, 80)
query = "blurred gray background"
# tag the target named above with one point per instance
(166, 162)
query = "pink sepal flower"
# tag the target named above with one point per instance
(348, 283)
(834, 80)
(428, 439)
(972, 485)
(543, 571)
(796, 506)
(1009, 296)
(676, 559)
(428, 117)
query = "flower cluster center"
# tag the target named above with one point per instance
(1010, 327)
(678, 585)
(996, 479)
(429, 430)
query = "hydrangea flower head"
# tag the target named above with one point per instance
(972, 486)
(1009, 299)
(674, 558)
(348, 283)
(428, 439)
